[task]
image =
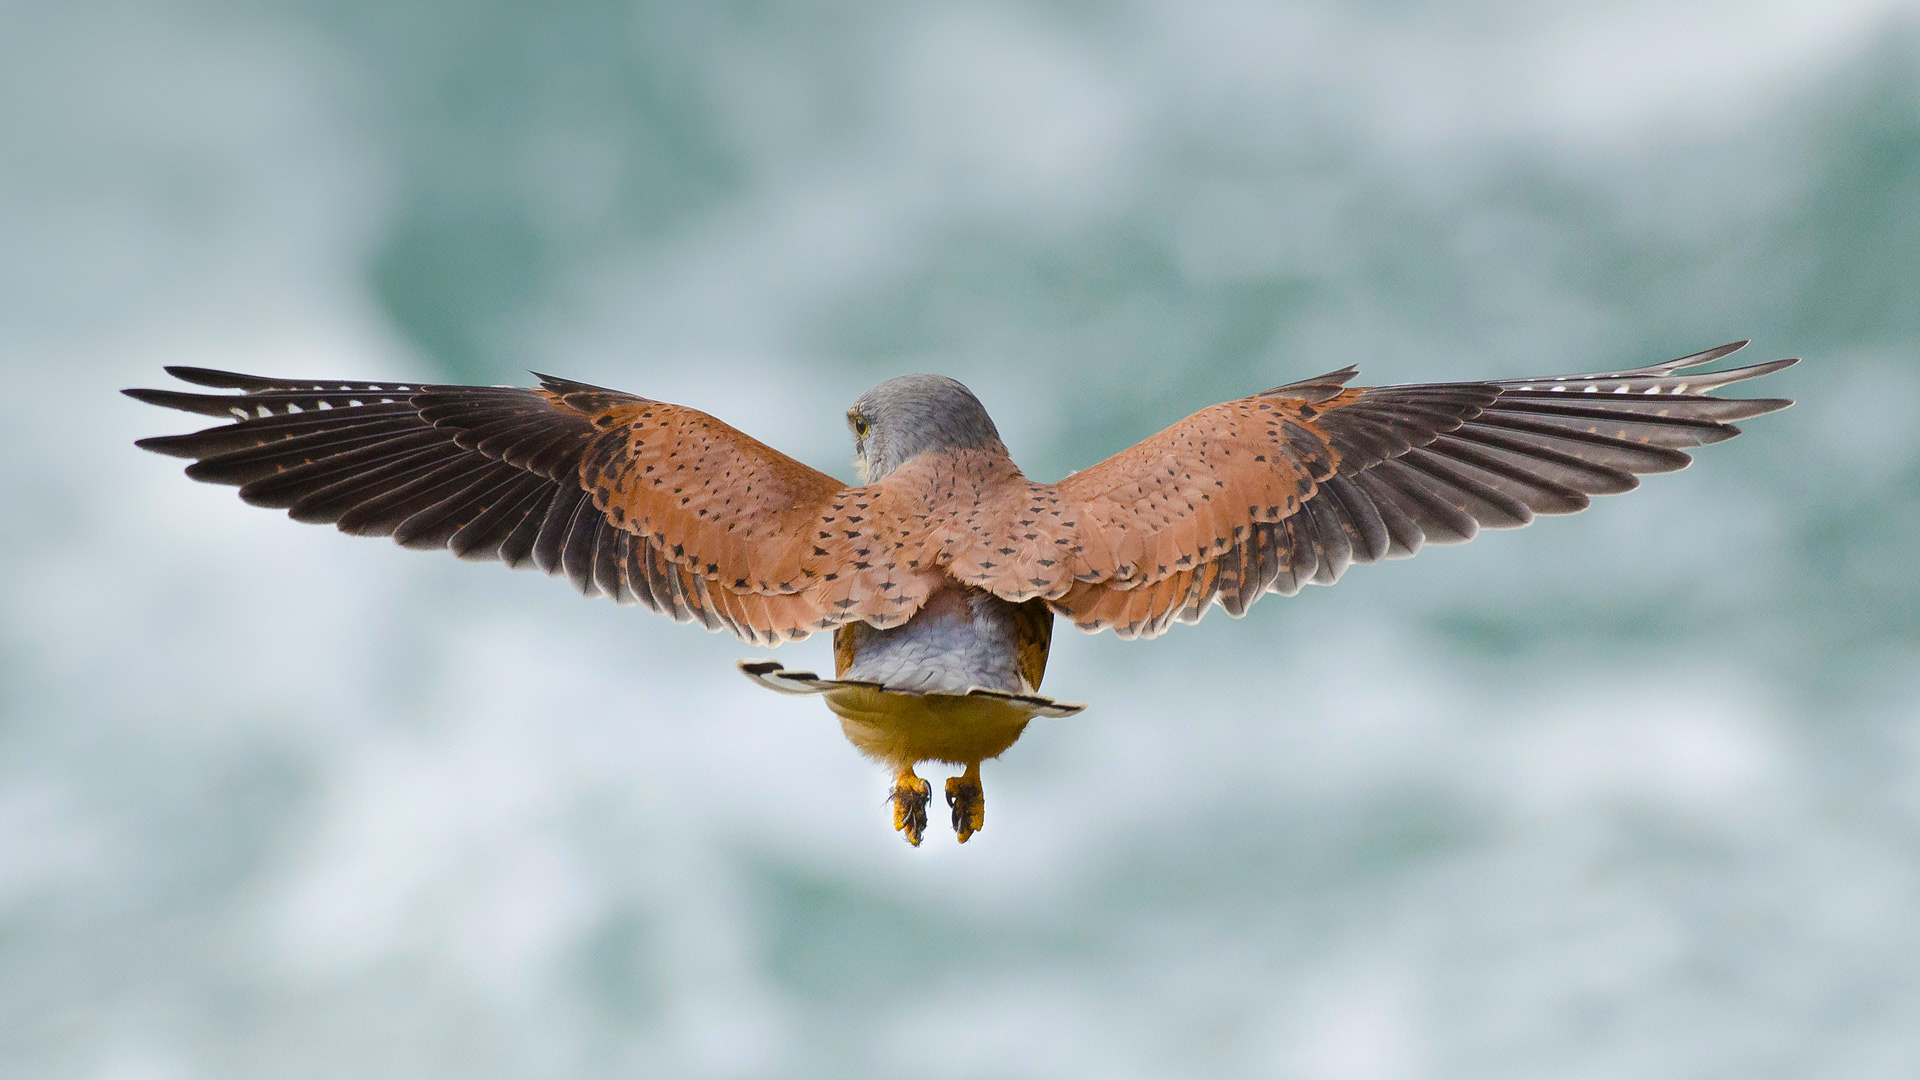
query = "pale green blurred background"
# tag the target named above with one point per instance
(1633, 794)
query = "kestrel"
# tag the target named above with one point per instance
(940, 573)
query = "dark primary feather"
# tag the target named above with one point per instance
(1439, 462)
(490, 473)
(1436, 463)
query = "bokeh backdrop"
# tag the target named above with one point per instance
(1632, 794)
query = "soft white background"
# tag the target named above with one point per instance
(1635, 794)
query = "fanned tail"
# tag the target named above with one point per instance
(776, 677)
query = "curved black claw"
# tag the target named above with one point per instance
(910, 796)
(969, 805)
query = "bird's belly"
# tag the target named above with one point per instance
(961, 639)
(904, 728)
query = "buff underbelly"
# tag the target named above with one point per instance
(901, 728)
(916, 705)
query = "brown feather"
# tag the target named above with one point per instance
(668, 507)
(1292, 486)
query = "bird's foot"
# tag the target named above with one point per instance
(910, 796)
(968, 802)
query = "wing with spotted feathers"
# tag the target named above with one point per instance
(1291, 486)
(632, 499)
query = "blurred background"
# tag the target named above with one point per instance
(1630, 794)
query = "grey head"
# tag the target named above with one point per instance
(909, 415)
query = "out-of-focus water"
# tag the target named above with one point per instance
(1631, 794)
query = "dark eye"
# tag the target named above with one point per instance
(859, 426)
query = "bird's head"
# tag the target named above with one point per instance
(909, 415)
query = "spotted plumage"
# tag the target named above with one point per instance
(940, 573)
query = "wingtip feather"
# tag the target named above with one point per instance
(1714, 380)
(1708, 356)
(202, 404)
(169, 445)
(223, 380)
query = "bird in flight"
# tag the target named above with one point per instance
(941, 572)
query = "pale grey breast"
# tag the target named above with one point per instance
(961, 639)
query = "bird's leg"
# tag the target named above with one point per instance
(910, 796)
(969, 804)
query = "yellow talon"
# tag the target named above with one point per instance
(968, 802)
(910, 796)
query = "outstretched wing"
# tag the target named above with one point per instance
(632, 499)
(1293, 485)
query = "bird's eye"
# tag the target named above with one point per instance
(859, 426)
